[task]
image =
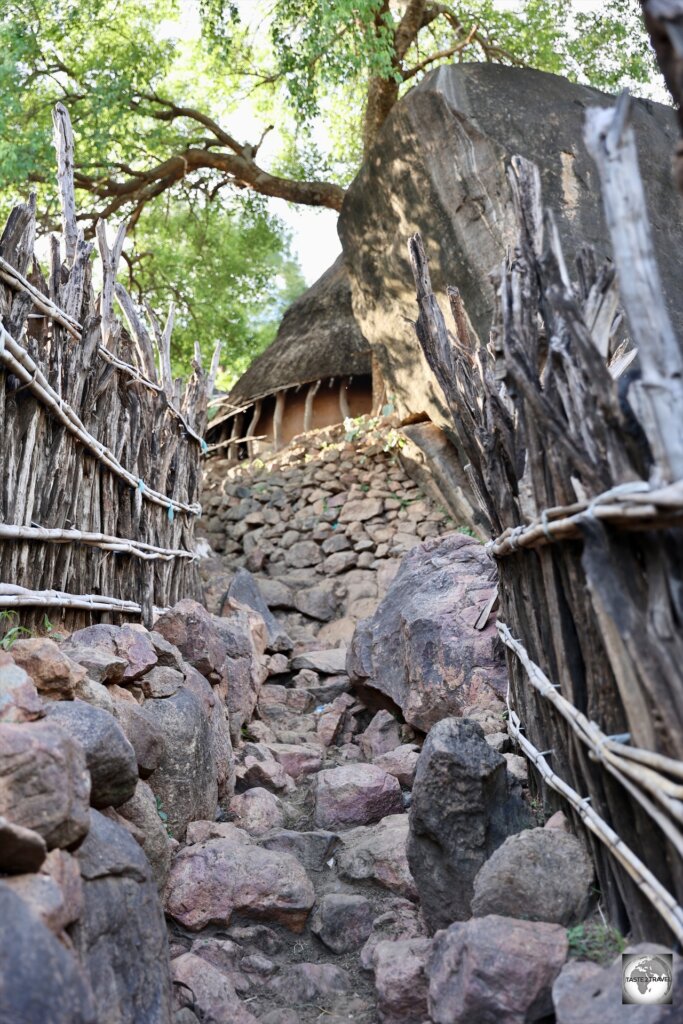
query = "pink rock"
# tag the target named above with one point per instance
(188, 627)
(19, 700)
(331, 720)
(257, 811)
(380, 736)
(401, 980)
(266, 772)
(494, 969)
(44, 782)
(401, 763)
(54, 674)
(297, 759)
(378, 854)
(559, 821)
(211, 881)
(355, 794)
(135, 646)
(201, 986)
(272, 694)
(400, 919)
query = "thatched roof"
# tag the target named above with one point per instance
(317, 339)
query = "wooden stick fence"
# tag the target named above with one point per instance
(578, 470)
(100, 459)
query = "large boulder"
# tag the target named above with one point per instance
(120, 936)
(355, 794)
(44, 782)
(461, 812)
(495, 970)
(421, 648)
(185, 781)
(114, 654)
(188, 626)
(378, 854)
(219, 729)
(19, 699)
(40, 980)
(212, 880)
(209, 991)
(109, 755)
(439, 167)
(55, 675)
(244, 637)
(520, 878)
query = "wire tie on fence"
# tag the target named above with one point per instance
(141, 485)
(586, 799)
(170, 513)
(512, 539)
(28, 383)
(544, 523)
(620, 737)
(546, 753)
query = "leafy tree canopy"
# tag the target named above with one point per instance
(186, 111)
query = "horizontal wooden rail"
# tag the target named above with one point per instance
(632, 506)
(45, 535)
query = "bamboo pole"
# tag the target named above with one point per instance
(125, 545)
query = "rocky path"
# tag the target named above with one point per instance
(300, 805)
(321, 777)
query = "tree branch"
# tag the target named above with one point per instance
(441, 55)
(241, 170)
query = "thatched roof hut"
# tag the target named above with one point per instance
(316, 371)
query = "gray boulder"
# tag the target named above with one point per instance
(401, 980)
(185, 781)
(522, 878)
(439, 167)
(109, 755)
(221, 744)
(244, 589)
(461, 812)
(120, 936)
(421, 648)
(44, 782)
(146, 738)
(495, 970)
(188, 626)
(342, 922)
(41, 982)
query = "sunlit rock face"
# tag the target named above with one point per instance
(439, 167)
